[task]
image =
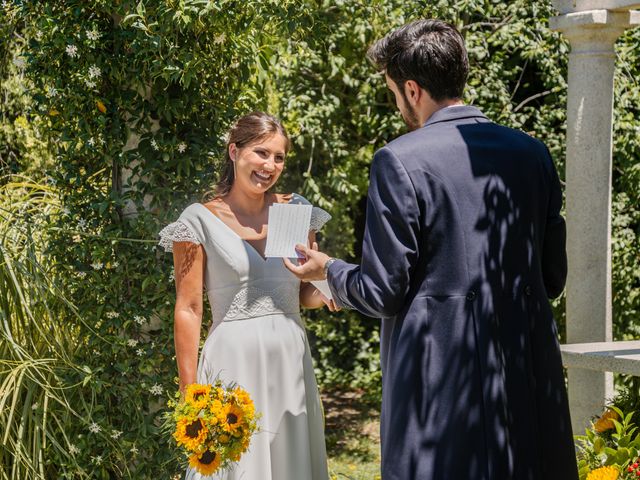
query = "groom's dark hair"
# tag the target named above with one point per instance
(430, 52)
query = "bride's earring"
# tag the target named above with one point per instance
(235, 168)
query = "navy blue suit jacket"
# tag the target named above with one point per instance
(464, 243)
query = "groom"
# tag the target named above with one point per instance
(464, 244)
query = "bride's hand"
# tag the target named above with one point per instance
(331, 305)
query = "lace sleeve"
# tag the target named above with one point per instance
(176, 232)
(318, 218)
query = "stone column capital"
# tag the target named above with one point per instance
(570, 6)
(594, 31)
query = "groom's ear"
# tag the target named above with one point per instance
(413, 92)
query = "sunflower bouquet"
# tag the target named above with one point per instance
(213, 425)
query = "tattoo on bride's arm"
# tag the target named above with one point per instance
(190, 253)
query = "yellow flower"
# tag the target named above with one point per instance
(245, 402)
(197, 395)
(53, 112)
(242, 396)
(217, 409)
(605, 421)
(205, 464)
(233, 418)
(101, 106)
(219, 393)
(190, 433)
(604, 473)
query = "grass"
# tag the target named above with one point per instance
(353, 436)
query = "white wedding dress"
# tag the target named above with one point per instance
(258, 340)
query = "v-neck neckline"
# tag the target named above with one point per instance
(234, 233)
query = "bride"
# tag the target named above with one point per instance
(257, 338)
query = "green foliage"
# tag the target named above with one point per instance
(617, 446)
(626, 186)
(38, 352)
(133, 97)
(22, 148)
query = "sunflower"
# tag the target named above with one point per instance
(197, 395)
(243, 397)
(218, 393)
(233, 418)
(604, 473)
(217, 411)
(605, 421)
(190, 432)
(206, 463)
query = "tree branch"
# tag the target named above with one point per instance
(531, 98)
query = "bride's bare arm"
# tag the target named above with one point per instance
(189, 260)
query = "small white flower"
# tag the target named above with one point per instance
(91, 142)
(72, 51)
(115, 264)
(139, 320)
(154, 144)
(35, 406)
(51, 92)
(19, 62)
(132, 342)
(220, 39)
(97, 265)
(90, 83)
(140, 352)
(172, 276)
(95, 428)
(134, 450)
(66, 211)
(39, 35)
(82, 274)
(97, 460)
(182, 147)
(112, 315)
(82, 223)
(156, 389)
(94, 71)
(93, 35)
(73, 450)
(115, 434)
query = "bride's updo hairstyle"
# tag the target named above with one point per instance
(247, 130)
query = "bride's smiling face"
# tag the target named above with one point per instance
(259, 165)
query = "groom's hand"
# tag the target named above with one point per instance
(311, 265)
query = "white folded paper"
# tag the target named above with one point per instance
(323, 286)
(288, 225)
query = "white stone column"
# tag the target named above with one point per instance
(592, 35)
